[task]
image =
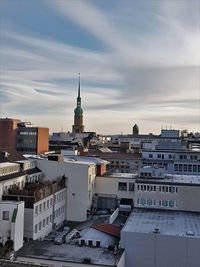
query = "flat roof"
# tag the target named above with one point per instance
(172, 223)
(172, 179)
(68, 253)
(121, 175)
(85, 159)
(2, 202)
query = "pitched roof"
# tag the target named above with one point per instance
(111, 229)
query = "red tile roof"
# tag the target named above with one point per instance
(108, 229)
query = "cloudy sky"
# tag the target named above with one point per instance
(139, 62)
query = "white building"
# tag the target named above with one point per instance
(161, 239)
(80, 183)
(45, 215)
(12, 223)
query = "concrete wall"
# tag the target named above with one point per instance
(13, 227)
(59, 263)
(19, 227)
(42, 140)
(155, 250)
(109, 186)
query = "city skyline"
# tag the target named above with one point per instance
(139, 63)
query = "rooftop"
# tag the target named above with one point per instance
(7, 164)
(173, 179)
(171, 223)
(68, 253)
(121, 175)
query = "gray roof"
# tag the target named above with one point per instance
(171, 223)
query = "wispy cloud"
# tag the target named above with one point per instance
(148, 71)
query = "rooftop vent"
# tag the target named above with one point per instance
(190, 233)
(156, 231)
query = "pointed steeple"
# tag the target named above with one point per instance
(78, 126)
(79, 87)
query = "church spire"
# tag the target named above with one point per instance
(78, 126)
(79, 86)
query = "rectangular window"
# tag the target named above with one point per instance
(185, 167)
(36, 210)
(47, 220)
(122, 186)
(6, 215)
(194, 168)
(47, 203)
(176, 167)
(50, 219)
(43, 223)
(36, 228)
(131, 186)
(150, 156)
(40, 226)
(138, 187)
(44, 205)
(40, 208)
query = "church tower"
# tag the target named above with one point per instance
(78, 126)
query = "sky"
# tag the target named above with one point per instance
(139, 62)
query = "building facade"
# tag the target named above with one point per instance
(8, 134)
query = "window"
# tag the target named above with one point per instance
(6, 215)
(40, 226)
(36, 210)
(43, 223)
(150, 156)
(50, 219)
(149, 202)
(122, 186)
(185, 167)
(176, 167)
(44, 205)
(47, 203)
(47, 220)
(36, 226)
(131, 186)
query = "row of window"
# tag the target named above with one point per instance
(123, 186)
(27, 133)
(59, 212)
(49, 203)
(186, 168)
(158, 203)
(6, 171)
(45, 222)
(154, 188)
(170, 156)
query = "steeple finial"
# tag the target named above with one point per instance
(79, 86)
